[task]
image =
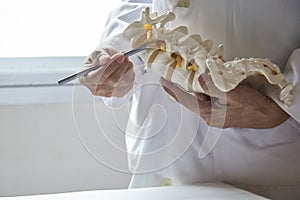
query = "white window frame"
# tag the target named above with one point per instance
(40, 87)
(19, 86)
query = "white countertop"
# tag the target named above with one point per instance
(207, 191)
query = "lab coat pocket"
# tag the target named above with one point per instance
(265, 157)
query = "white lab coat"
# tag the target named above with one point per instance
(166, 140)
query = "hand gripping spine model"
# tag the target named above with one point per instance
(182, 58)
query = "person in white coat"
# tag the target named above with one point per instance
(254, 144)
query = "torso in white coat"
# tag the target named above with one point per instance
(165, 140)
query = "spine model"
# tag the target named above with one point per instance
(182, 58)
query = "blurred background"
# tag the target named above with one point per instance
(55, 138)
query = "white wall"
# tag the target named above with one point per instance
(42, 152)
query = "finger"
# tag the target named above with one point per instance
(112, 66)
(117, 75)
(125, 84)
(97, 58)
(188, 100)
(102, 59)
(116, 89)
(203, 97)
(129, 75)
(209, 87)
(92, 78)
(168, 88)
(100, 56)
(102, 90)
(172, 90)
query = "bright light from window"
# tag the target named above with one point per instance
(32, 28)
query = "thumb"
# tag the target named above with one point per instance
(208, 86)
(103, 58)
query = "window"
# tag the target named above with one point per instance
(41, 41)
(31, 28)
(49, 29)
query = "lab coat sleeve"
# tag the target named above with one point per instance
(118, 20)
(292, 75)
(122, 15)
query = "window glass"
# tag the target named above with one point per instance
(43, 28)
